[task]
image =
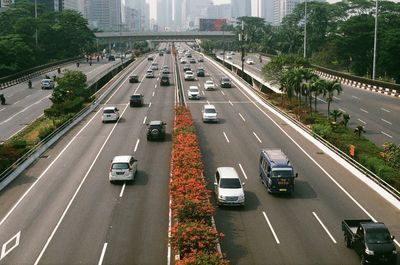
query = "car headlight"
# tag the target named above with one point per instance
(369, 252)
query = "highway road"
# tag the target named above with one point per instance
(375, 111)
(64, 210)
(24, 105)
(304, 228)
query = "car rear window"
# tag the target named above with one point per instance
(120, 166)
(108, 111)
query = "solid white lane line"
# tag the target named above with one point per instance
(323, 226)
(226, 137)
(153, 93)
(355, 97)
(222, 92)
(122, 190)
(385, 110)
(244, 173)
(257, 137)
(363, 110)
(242, 117)
(271, 228)
(362, 121)
(17, 101)
(149, 104)
(230, 103)
(103, 252)
(27, 107)
(388, 135)
(144, 120)
(136, 146)
(388, 122)
(78, 189)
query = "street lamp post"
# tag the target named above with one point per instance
(305, 30)
(36, 31)
(241, 40)
(375, 37)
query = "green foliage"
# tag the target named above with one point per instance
(359, 130)
(70, 86)
(61, 35)
(323, 130)
(44, 132)
(391, 154)
(346, 119)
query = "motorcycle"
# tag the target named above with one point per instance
(2, 99)
(29, 84)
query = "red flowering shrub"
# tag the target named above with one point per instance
(200, 258)
(193, 235)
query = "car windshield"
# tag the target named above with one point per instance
(149, 72)
(120, 166)
(189, 73)
(377, 236)
(108, 111)
(230, 184)
(193, 90)
(282, 173)
(210, 111)
(135, 97)
(209, 83)
(225, 79)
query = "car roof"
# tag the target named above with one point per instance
(109, 108)
(156, 123)
(121, 159)
(137, 95)
(209, 106)
(227, 172)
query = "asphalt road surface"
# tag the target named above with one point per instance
(375, 111)
(24, 105)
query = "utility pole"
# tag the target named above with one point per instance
(241, 40)
(375, 40)
(36, 31)
(305, 30)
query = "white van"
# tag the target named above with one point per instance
(228, 188)
(123, 168)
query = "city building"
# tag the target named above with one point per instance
(104, 15)
(282, 8)
(240, 8)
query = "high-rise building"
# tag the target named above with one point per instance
(104, 15)
(263, 9)
(282, 8)
(240, 8)
(219, 11)
(164, 14)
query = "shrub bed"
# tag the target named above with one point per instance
(192, 235)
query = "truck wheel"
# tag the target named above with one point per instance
(363, 260)
(347, 241)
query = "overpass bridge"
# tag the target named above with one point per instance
(109, 37)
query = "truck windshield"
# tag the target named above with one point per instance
(377, 236)
(230, 184)
(282, 173)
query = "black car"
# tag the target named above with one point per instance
(136, 100)
(111, 58)
(187, 67)
(164, 80)
(200, 72)
(225, 82)
(133, 79)
(161, 54)
(150, 58)
(156, 130)
(192, 60)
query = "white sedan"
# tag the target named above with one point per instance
(189, 76)
(193, 92)
(249, 61)
(209, 85)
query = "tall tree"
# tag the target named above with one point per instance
(330, 87)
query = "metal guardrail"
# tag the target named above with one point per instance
(35, 152)
(181, 96)
(382, 183)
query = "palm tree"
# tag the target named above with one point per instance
(316, 88)
(346, 118)
(336, 114)
(329, 89)
(359, 130)
(307, 75)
